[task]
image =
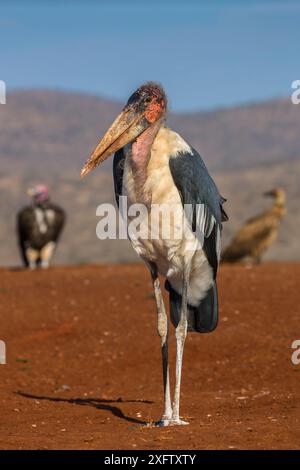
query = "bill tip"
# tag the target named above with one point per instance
(84, 172)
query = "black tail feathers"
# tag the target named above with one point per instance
(203, 318)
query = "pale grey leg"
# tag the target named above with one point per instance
(46, 254)
(163, 331)
(181, 331)
(32, 256)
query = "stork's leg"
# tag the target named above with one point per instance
(181, 330)
(163, 331)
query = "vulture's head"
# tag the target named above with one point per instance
(38, 193)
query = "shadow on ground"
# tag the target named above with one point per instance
(98, 403)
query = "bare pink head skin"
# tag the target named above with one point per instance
(140, 117)
(39, 193)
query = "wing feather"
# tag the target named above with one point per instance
(197, 188)
(118, 172)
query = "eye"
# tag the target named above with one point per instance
(148, 99)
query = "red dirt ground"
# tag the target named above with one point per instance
(83, 362)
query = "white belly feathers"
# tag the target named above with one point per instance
(169, 253)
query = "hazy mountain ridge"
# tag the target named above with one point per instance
(38, 125)
(47, 135)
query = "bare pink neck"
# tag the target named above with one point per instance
(139, 158)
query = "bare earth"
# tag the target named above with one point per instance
(83, 362)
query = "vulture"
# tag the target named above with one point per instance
(39, 227)
(258, 233)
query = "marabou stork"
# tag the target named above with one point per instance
(39, 227)
(154, 165)
(258, 233)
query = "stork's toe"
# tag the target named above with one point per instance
(163, 423)
(170, 422)
(178, 422)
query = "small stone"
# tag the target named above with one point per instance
(65, 387)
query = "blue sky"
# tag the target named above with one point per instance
(206, 53)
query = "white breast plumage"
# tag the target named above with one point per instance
(168, 253)
(40, 220)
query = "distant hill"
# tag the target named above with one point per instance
(50, 126)
(47, 135)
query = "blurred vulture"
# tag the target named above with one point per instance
(39, 227)
(258, 233)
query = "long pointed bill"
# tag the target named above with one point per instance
(128, 125)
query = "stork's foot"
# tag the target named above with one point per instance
(178, 422)
(162, 423)
(170, 422)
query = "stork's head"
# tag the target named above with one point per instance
(39, 193)
(146, 106)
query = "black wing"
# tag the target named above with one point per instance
(56, 225)
(118, 171)
(25, 223)
(197, 189)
